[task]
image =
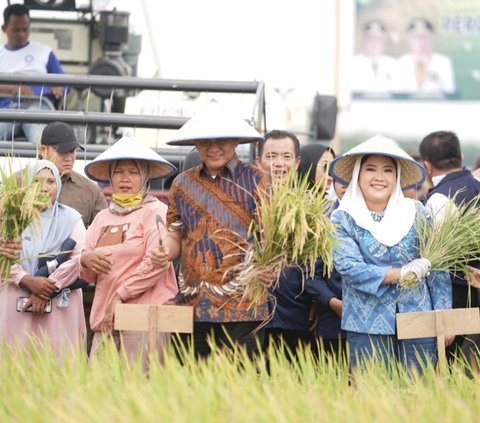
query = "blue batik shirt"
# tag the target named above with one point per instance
(362, 261)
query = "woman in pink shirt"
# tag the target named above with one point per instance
(118, 242)
(62, 322)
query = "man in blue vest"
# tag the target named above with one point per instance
(443, 160)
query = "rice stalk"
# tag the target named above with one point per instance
(292, 229)
(226, 386)
(21, 200)
(451, 243)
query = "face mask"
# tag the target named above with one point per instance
(127, 200)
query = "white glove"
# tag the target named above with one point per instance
(420, 267)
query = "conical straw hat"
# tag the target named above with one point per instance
(412, 173)
(128, 148)
(214, 122)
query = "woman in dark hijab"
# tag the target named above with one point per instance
(315, 159)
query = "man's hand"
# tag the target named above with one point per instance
(57, 92)
(473, 277)
(267, 279)
(336, 305)
(39, 286)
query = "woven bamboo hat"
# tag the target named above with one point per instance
(214, 122)
(128, 148)
(412, 173)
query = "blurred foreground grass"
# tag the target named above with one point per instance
(225, 388)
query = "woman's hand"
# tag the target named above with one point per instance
(97, 261)
(108, 319)
(160, 257)
(419, 267)
(39, 286)
(38, 304)
(11, 248)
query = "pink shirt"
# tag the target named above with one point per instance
(131, 238)
(63, 326)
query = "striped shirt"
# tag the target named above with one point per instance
(214, 215)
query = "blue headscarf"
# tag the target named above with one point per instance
(56, 224)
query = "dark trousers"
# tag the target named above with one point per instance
(291, 341)
(88, 294)
(463, 296)
(207, 336)
(334, 348)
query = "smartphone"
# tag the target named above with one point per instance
(21, 301)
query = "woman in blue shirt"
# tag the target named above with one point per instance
(377, 244)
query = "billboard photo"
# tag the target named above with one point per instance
(416, 50)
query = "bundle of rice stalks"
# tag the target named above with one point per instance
(20, 203)
(292, 229)
(450, 243)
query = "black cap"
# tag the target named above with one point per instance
(61, 136)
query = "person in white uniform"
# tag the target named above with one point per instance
(371, 71)
(24, 57)
(422, 71)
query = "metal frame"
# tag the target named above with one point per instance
(81, 82)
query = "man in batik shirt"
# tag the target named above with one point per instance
(210, 209)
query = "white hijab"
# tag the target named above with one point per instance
(399, 214)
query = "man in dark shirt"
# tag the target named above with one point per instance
(296, 293)
(443, 160)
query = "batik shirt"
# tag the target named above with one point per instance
(214, 215)
(362, 261)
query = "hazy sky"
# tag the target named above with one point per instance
(276, 41)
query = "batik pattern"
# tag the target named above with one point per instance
(369, 306)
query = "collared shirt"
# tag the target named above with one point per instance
(437, 202)
(83, 195)
(460, 185)
(214, 215)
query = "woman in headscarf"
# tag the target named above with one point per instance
(118, 242)
(378, 244)
(315, 163)
(64, 325)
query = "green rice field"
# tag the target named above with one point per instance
(227, 387)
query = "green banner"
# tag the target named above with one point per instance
(412, 49)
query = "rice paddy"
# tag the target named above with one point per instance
(449, 243)
(225, 387)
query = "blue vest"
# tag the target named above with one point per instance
(462, 183)
(466, 187)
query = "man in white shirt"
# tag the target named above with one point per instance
(23, 57)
